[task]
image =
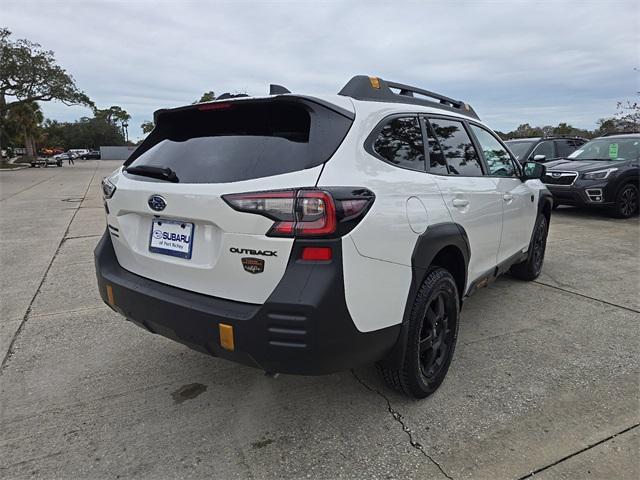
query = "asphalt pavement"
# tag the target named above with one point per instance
(545, 379)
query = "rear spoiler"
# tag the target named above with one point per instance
(158, 135)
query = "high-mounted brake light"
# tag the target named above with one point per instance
(306, 212)
(214, 106)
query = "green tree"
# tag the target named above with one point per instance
(147, 126)
(28, 73)
(83, 133)
(206, 97)
(23, 125)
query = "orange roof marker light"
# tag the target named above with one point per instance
(375, 82)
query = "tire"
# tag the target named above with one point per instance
(434, 314)
(530, 268)
(626, 204)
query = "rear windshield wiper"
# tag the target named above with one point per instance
(161, 173)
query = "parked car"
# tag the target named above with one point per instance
(603, 173)
(79, 152)
(46, 162)
(544, 149)
(66, 156)
(308, 235)
(91, 155)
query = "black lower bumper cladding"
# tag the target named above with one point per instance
(304, 327)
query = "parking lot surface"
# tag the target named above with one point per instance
(545, 378)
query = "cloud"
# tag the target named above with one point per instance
(515, 62)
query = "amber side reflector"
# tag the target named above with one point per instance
(375, 82)
(110, 296)
(226, 336)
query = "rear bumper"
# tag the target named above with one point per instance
(303, 328)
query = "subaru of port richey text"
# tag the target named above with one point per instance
(312, 234)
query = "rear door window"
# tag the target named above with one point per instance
(544, 148)
(457, 147)
(399, 142)
(437, 162)
(242, 140)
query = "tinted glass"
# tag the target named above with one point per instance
(497, 158)
(242, 141)
(543, 148)
(437, 162)
(400, 143)
(564, 147)
(461, 156)
(519, 149)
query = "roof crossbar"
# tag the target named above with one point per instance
(363, 87)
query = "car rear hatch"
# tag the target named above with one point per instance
(167, 217)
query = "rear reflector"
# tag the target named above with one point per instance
(317, 254)
(226, 336)
(110, 297)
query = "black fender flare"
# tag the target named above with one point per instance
(434, 239)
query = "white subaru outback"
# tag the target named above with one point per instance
(307, 235)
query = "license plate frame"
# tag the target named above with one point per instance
(157, 244)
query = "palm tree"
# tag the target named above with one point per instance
(26, 119)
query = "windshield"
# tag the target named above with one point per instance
(614, 149)
(519, 149)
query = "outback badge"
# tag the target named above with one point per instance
(253, 265)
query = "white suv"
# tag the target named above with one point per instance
(308, 235)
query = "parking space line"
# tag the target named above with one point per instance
(588, 447)
(586, 296)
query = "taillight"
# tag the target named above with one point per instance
(306, 212)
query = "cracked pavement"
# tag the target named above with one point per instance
(544, 383)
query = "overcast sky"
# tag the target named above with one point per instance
(514, 62)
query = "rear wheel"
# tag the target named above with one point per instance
(530, 269)
(626, 201)
(431, 337)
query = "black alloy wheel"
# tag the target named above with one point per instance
(627, 201)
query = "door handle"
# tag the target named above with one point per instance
(507, 197)
(460, 202)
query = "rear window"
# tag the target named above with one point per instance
(400, 143)
(235, 141)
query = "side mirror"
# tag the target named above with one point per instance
(533, 171)
(540, 158)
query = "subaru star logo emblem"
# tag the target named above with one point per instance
(157, 203)
(555, 175)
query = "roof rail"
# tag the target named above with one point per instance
(609, 134)
(560, 135)
(363, 87)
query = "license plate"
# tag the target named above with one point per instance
(171, 237)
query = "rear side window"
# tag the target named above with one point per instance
(564, 147)
(400, 143)
(457, 147)
(235, 141)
